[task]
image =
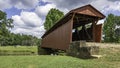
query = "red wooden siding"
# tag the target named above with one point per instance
(98, 33)
(59, 38)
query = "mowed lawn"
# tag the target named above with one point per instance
(18, 50)
(110, 59)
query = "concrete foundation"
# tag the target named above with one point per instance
(79, 49)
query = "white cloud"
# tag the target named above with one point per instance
(37, 31)
(100, 4)
(20, 4)
(43, 10)
(112, 8)
(31, 19)
(24, 4)
(70, 4)
(28, 23)
(18, 21)
(4, 4)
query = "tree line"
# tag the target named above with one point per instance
(19, 39)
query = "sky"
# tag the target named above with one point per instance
(29, 15)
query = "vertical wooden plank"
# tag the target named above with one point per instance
(98, 33)
(93, 31)
(72, 26)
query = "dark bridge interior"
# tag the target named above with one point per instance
(83, 27)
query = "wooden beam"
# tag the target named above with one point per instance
(93, 32)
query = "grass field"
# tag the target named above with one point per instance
(18, 50)
(110, 59)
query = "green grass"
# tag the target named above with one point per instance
(18, 50)
(110, 59)
(53, 62)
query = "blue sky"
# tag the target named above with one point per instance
(12, 11)
(29, 15)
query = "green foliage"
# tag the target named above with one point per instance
(52, 17)
(5, 24)
(110, 27)
(21, 39)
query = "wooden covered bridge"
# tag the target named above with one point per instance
(78, 24)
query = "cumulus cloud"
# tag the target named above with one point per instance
(4, 4)
(20, 4)
(112, 8)
(28, 23)
(100, 4)
(31, 19)
(43, 10)
(18, 22)
(68, 3)
(24, 4)
(113, 0)
(38, 31)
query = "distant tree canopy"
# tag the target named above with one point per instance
(111, 29)
(8, 38)
(52, 17)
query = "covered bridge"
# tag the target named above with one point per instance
(78, 24)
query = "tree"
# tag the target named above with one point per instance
(52, 17)
(5, 24)
(110, 29)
